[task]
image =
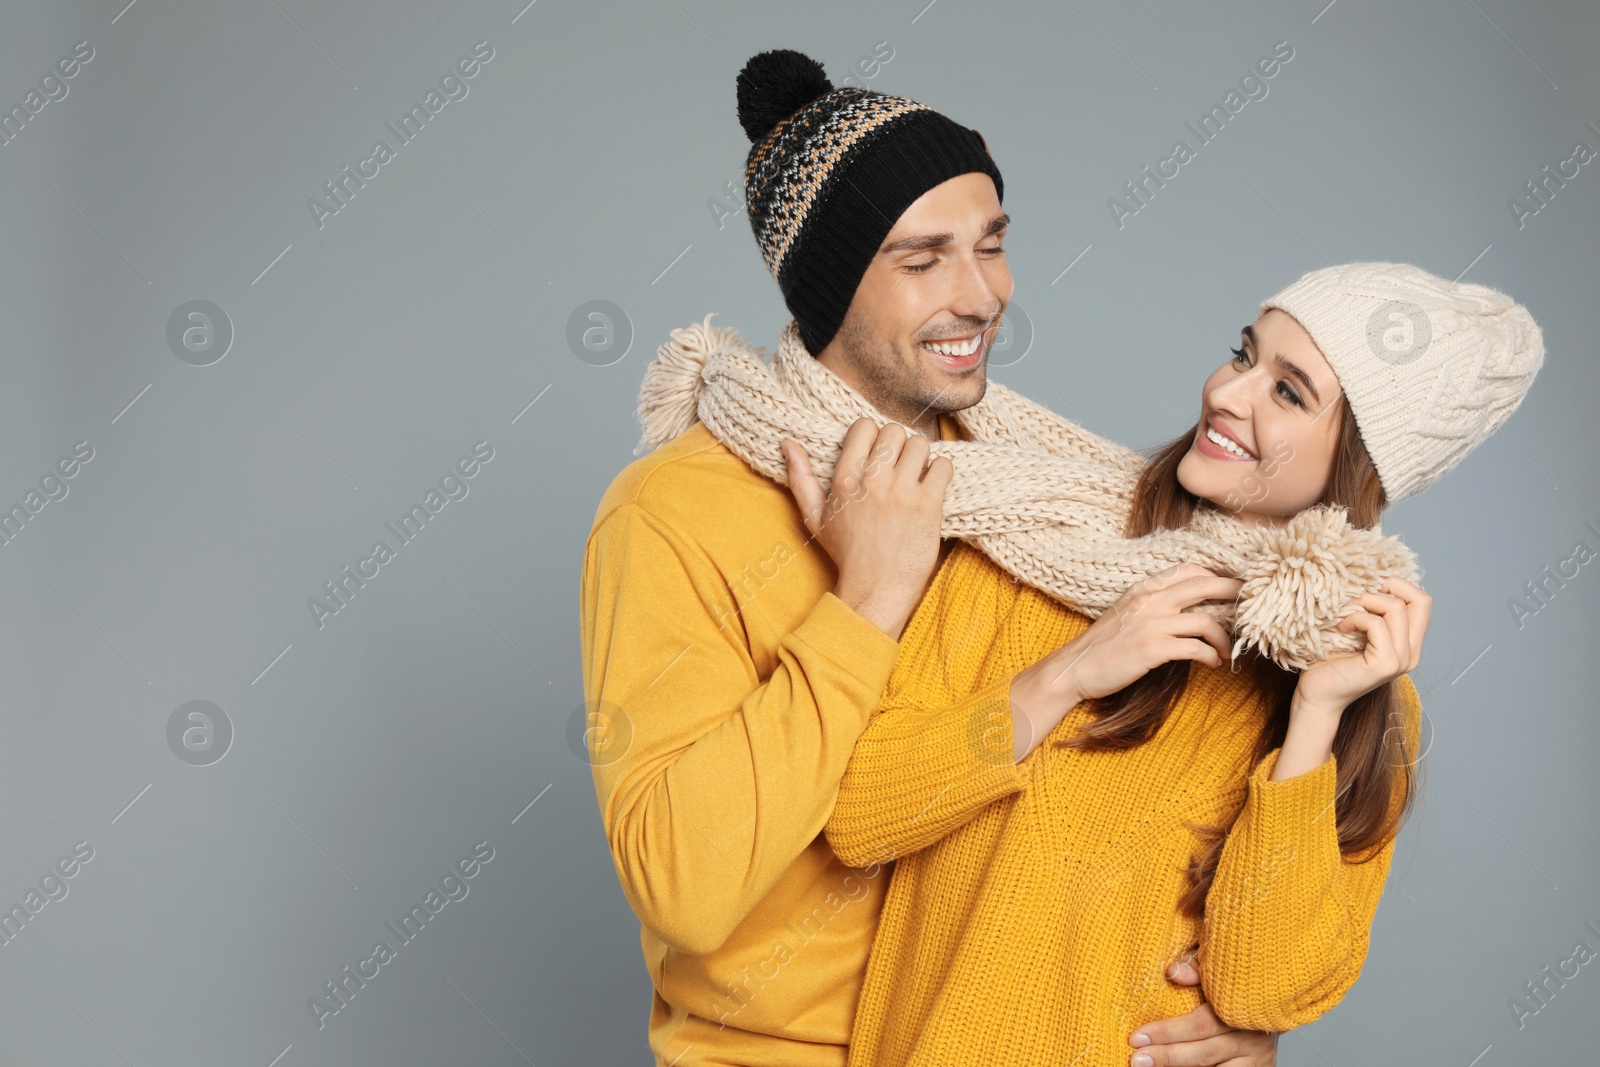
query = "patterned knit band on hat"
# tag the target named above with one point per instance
(829, 173)
(1430, 367)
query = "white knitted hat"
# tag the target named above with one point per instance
(1430, 367)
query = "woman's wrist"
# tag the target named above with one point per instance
(1314, 709)
(1041, 696)
(1309, 740)
(1048, 687)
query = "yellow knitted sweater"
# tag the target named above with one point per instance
(1033, 908)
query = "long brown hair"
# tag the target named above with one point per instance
(1370, 754)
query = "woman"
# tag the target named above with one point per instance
(1073, 804)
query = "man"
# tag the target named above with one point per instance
(735, 647)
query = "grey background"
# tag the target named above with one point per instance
(431, 312)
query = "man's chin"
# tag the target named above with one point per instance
(954, 391)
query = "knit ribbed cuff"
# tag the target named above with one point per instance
(1292, 819)
(919, 773)
(1314, 787)
(957, 756)
(1282, 855)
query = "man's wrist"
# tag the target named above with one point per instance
(864, 604)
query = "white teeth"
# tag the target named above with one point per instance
(1226, 445)
(958, 348)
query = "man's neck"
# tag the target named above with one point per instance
(925, 422)
(921, 419)
(927, 425)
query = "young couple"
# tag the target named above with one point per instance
(934, 729)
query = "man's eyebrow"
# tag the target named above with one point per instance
(1287, 364)
(925, 241)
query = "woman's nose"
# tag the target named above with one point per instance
(1233, 396)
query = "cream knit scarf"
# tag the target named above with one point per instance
(1044, 498)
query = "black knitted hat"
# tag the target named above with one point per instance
(830, 171)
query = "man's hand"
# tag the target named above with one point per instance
(1199, 1038)
(880, 520)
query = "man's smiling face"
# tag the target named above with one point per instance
(915, 341)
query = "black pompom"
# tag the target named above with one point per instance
(774, 85)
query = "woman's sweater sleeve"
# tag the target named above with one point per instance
(921, 771)
(1288, 916)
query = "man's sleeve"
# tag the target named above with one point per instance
(711, 780)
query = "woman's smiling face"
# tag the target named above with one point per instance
(1269, 423)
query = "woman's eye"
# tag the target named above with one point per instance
(1239, 355)
(1286, 391)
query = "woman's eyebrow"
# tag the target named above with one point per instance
(1287, 364)
(1305, 378)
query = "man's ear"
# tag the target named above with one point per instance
(984, 143)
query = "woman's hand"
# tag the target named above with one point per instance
(1394, 622)
(1145, 628)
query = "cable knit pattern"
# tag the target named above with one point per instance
(1431, 367)
(1034, 906)
(1041, 496)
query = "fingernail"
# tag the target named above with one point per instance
(1141, 1060)
(1139, 1040)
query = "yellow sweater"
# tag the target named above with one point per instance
(1032, 910)
(727, 686)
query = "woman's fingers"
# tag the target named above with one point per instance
(1194, 590)
(1173, 648)
(1393, 612)
(1171, 576)
(1419, 609)
(1150, 624)
(1142, 593)
(1180, 570)
(1177, 593)
(1380, 651)
(1185, 970)
(1204, 627)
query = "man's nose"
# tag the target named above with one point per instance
(978, 301)
(974, 295)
